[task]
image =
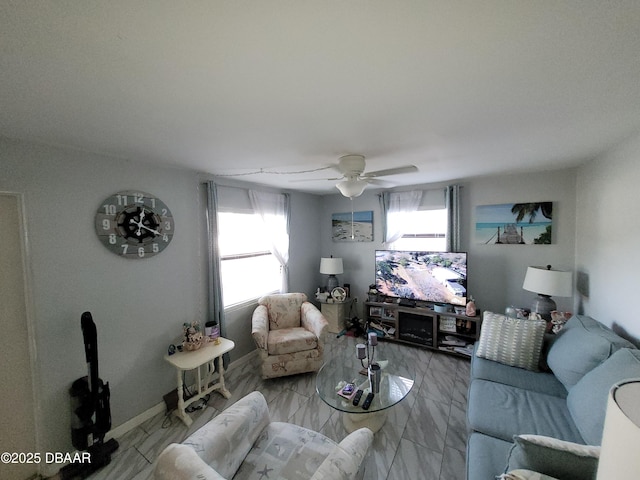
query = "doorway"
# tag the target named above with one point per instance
(17, 411)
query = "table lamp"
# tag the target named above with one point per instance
(332, 267)
(547, 282)
(621, 435)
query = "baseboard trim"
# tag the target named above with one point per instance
(139, 419)
(136, 421)
(49, 470)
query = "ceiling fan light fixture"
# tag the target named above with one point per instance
(351, 188)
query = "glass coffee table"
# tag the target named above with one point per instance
(395, 384)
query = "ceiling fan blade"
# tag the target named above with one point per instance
(314, 179)
(391, 171)
(375, 181)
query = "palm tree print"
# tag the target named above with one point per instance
(531, 210)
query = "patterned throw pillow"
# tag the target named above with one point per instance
(553, 457)
(513, 341)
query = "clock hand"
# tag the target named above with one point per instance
(138, 224)
(139, 232)
(150, 229)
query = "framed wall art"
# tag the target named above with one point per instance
(515, 224)
(352, 226)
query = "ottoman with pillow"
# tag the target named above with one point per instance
(523, 418)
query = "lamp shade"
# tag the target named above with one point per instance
(621, 435)
(331, 266)
(545, 281)
(351, 188)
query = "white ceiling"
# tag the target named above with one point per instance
(457, 88)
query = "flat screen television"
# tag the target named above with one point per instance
(438, 277)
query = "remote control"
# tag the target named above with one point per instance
(367, 402)
(356, 399)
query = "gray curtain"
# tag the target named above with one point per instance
(452, 202)
(216, 308)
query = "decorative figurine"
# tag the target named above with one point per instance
(471, 307)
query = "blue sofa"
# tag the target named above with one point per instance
(566, 401)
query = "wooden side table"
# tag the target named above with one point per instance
(204, 357)
(335, 313)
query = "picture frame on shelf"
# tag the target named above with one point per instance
(375, 312)
(388, 314)
(448, 324)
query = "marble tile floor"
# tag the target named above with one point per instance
(424, 437)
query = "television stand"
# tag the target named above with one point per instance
(405, 302)
(446, 332)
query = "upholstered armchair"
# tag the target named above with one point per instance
(289, 333)
(242, 443)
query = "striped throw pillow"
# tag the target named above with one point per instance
(513, 341)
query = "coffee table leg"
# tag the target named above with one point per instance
(373, 421)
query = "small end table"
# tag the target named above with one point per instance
(335, 313)
(204, 357)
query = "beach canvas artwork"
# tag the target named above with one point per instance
(344, 228)
(514, 224)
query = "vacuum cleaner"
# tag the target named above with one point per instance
(90, 411)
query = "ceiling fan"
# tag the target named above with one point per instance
(354, 180)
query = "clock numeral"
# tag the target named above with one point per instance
(125, 248)
(109, 209)
(122, 199)
(155, 248)
(138, 198)
(164, 212)
(153, 202)
(113, 239)
(165, 237)
(167, 225)
(106, 224)
(141, 252)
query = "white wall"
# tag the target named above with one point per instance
(496, 272)
(607, 253)
(138, 305)
(357, 257)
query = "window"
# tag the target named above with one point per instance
(248, 268)
(423, 230)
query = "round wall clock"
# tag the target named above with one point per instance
(134, 224)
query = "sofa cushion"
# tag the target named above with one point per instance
(181, 461)
(284, 309)
(486, 456)
(582, 345)
(503, 411)
(513, 341)
(290, 340)
(543, 382)
(587, 400)
(553, 457)
(287, 452)
(223, 442)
